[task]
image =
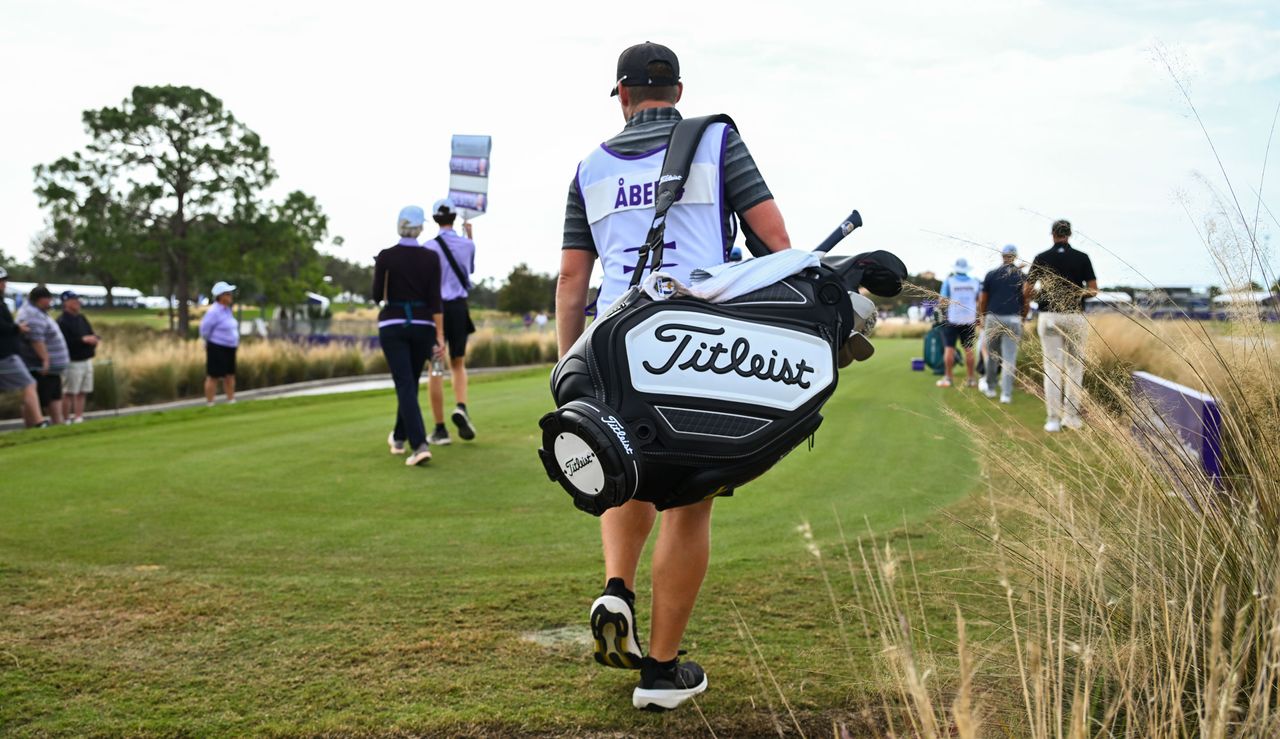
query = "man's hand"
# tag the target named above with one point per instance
(91, 340)
(438, 352)
(466, 229)
(24, 327)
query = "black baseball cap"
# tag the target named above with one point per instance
(38, 292)
(633, 66)
(68, 295)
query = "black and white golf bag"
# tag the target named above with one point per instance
(694, 398)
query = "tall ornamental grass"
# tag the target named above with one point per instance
(139, 366)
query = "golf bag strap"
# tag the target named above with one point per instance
(457, 271)
(685, 137)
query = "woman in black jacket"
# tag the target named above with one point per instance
(406, 278)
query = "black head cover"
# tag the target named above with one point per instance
(881, 272)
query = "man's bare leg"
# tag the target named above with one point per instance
(31, 414)
(624, 531)
(949, 364)
(679, 565)
(210, 389)
(459, 379)
(968, 367)
(435, 391)
(55, 412)
(229, 387)
(78, 403)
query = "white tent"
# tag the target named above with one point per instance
(90, 295)
(1249, 296)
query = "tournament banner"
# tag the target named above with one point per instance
(469, 174)
(1188, 417)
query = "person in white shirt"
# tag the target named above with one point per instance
(960, 297)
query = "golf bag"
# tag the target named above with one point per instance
(693, 398)
(934, 350)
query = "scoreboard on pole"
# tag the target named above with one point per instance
(469, 174)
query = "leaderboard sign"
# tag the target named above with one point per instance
(469, 174)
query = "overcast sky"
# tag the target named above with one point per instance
(982, 120)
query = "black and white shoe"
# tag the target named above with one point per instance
(665, 685)
(439, 437)
(465, 428)
(613, 627)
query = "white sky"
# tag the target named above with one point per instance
(966, 119)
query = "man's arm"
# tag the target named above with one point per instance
(1090, 279)
(42, 351)
(765, 220)
(982, 305)
(1029, 288)
(571, 295)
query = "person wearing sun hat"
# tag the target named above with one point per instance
(221, 333)
(960, 297)
(1001, 309)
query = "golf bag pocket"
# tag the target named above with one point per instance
(672, 401)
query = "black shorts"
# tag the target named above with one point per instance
(48, 387)
(964, 333)
(457, 327)
(219, 361)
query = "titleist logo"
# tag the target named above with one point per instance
(717, 358)
(613, 423)
(576, 463)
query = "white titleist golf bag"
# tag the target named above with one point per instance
(692, 398)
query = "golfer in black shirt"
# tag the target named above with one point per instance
(1065, 277)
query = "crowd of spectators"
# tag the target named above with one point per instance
(49, 361)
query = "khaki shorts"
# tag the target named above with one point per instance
(78, 379)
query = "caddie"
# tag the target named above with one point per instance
(457, 261)
(609, 211)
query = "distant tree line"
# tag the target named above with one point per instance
(168, 196)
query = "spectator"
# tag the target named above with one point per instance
(45, 351)
(1001, 310)
(961, 294)
(14, 374)
(457, 256)
(406, 278)
(221, 333)
(1065, 278)
(540, 321)
(82, 343)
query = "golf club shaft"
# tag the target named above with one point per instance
(853, 221)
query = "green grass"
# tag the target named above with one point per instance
(268, 568)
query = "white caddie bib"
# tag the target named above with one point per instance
(617, 193)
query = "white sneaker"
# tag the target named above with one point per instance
(423, 454)
(989, 392)
(1006, 399)
(944, 382)
(397, 447)
(79, 419)
(1052, 427)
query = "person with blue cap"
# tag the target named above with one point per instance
(406, 279)
(960, 298)
(457, 261)
(1001, 309)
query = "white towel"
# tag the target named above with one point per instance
(724, 282)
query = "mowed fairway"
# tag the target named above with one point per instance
(268, 568)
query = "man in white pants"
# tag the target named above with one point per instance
(1065, 277)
